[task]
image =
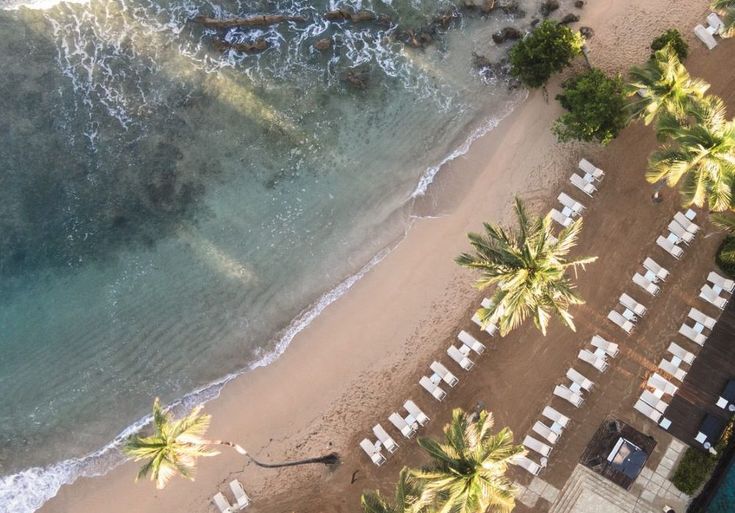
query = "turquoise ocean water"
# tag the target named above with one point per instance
(172, 213)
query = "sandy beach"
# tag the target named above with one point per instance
(359, 360)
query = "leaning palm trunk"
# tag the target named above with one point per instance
(328, 459)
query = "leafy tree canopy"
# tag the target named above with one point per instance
(671, 37)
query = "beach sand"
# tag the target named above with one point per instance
(363, 356)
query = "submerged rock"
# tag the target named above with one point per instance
(257, 46)
(323, 44)
(253, 21)
(356, 79)
(548, 7)
(507, 33)
(569, 18)
(513, 8)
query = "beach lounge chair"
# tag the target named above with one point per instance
(471, 342)
(704, 36)
(563, 392)
(661, 384)
(373, 452)
(222, 504)
(527, 464)
(705, 320)
(583, 185)
(633, 305)
(695, 336)
(610, 348)
(708, 294)
(401, 425)
(542, 429)
(560, 218)
(575, 206)
(456, 355)
(243, 501)
(672, 249)
(715, 24)
(559, 420)
(446, 376)
(592, 170)
(658, 272)
(416, 412)
(536, 445)
(686, 223)
(648, 411)
(579, 380)
(721, 282)
(680, 232)
(597, 362)
(671, 368)
(653, 400)
(645, 284)
(621, 321)
(681, 353)
(390, 445)
(432, 388)
(490, 328)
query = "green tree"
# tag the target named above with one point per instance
(468, 470)
(529, 268)
(596, 108)
(405, 501)
(175, 445)
(671, 37)
(701, 155)
(663, 85)
(545, 51)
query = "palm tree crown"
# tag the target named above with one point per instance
(663, 85)
(529, 269)
(405, 499)
(701, 156)
(468, 471)
(726, 8)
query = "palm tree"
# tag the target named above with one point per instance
(405, 499)
(701, 155)
(468, 471)
(529, 267)
(175, 446)
(663, 85)
(726, 8)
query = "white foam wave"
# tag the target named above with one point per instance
(14, 5)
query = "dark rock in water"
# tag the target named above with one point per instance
(586, 32)
(487, 6)
(507, 33)
(535, 22)
(569, 18)
(253, 21)
(416, 39)
(363, 16)
(445, 18)
(489, 69)
(356, 79)
(513, 8)
(337, 15)
(256, 46)
(548, 7)
(323, 44)
(480, 61)
(384, 21)
(579, 4)
(514, 84)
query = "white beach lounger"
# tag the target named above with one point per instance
(654, 401)
(432, 388)
(559, 420)
(705, 320)
(401, 425)
(583, 185)
(621, 321)
(373, 452)
(662, 384)
(686, 223)
(563, 392)
(631, 304)
(693, 335)
(680, 232)
(589, 168)
(648, 411)
(704, 36)
(416, 412)
(721, 281)
(222, 504)
(610, 348)
(456, 355)
(588, 356)
(708, 294)
(471, 342)
(572, 204)
(491, 329)
(681, 353)
(646, 285)
(545, 431)
(390, 445)
(560, 218)
(446, 376)
(536, 445)
(578, 379)
(243, 501)
(671, 368)
(715, 24)
(670, 247)
(527, 464)
(659, 272)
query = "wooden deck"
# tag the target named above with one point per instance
(712, 369)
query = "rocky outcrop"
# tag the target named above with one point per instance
(586, 32)
(356, 79)
(507, 34)
(323, 44)
(579, 4)
(548, 7)
(256, 46)
(569, 18)
(251, 21)
(362, 16)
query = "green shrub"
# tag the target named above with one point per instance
(693, 470)
(596, 105)
(671, 37)
(545, 51)
(726, 256)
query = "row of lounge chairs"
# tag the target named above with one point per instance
(591, 175)
(241, 498)
(653, 274)
(711, 291)
(408, 425)
(681, 230)
(550, 428)
(706, 34)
